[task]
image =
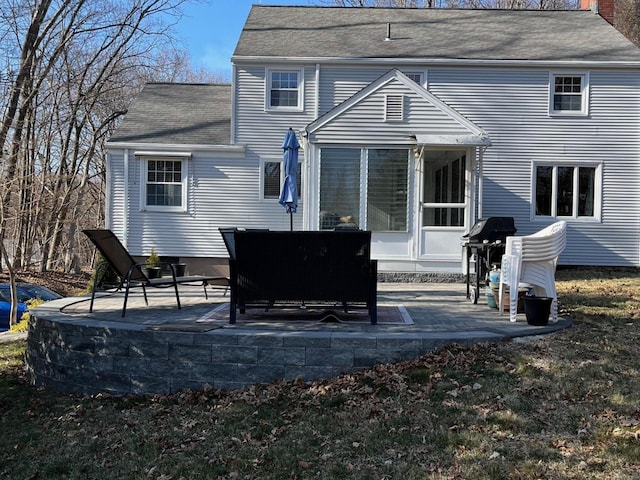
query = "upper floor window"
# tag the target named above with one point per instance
(165, 184)
(568, 93)
(567, 191)
(284, 89)
(417, 77)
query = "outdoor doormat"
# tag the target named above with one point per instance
(387, 315)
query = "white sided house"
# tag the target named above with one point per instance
(412, 122)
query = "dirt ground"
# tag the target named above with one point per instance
(67, 284)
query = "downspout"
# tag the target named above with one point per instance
(309, 205)
(127, 210)
(306, 181)
(418, 155)
(108, 192)
(480, 179)
(317, 93)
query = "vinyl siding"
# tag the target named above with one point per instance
(512, 107)
(339, 83)
(116, 206)
(222, 192)
(365, 122)
(261, 130)
(262, 133)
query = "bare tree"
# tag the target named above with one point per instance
(175, 66)
(627, 19)
(79, 65)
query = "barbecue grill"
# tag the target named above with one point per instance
(485, 241)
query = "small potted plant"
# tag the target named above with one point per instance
(153, 265)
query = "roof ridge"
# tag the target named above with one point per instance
(193, 84)
(345, 7)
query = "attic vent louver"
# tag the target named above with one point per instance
(394, 108)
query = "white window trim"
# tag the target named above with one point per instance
(262, 178)
(597, 187)
(267, 93)
(584, 111)
(144, 166)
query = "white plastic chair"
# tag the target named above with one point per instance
(532, 260)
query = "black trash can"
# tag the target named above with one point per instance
(537, 310)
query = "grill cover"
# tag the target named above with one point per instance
(491, 229)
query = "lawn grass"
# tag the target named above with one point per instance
(565, 406)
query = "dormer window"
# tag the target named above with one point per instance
(284, 89)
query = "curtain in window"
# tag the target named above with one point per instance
(339, 187)
(387, 186)
(271, 179)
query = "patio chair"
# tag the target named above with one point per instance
(131, 274)
(532, 260)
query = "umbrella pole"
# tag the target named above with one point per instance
(291, 221)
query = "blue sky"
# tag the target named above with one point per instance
(211, 30)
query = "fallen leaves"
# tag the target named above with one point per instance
(561, 407)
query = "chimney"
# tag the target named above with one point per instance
(604, 8)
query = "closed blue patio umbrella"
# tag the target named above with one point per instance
(289, 192)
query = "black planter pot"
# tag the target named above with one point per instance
(537, 310)
(154, 272)
(180, 269)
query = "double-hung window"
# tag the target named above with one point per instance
(165, 184)
(416, 76)
(284, 89)
(568, 93)
(567, 191)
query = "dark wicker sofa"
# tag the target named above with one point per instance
(312, 268)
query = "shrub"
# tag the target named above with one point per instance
(23, 324)
(154, 259)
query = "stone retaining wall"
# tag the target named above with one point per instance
(73, 358)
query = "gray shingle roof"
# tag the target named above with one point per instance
(480, 35)
(171, 113)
